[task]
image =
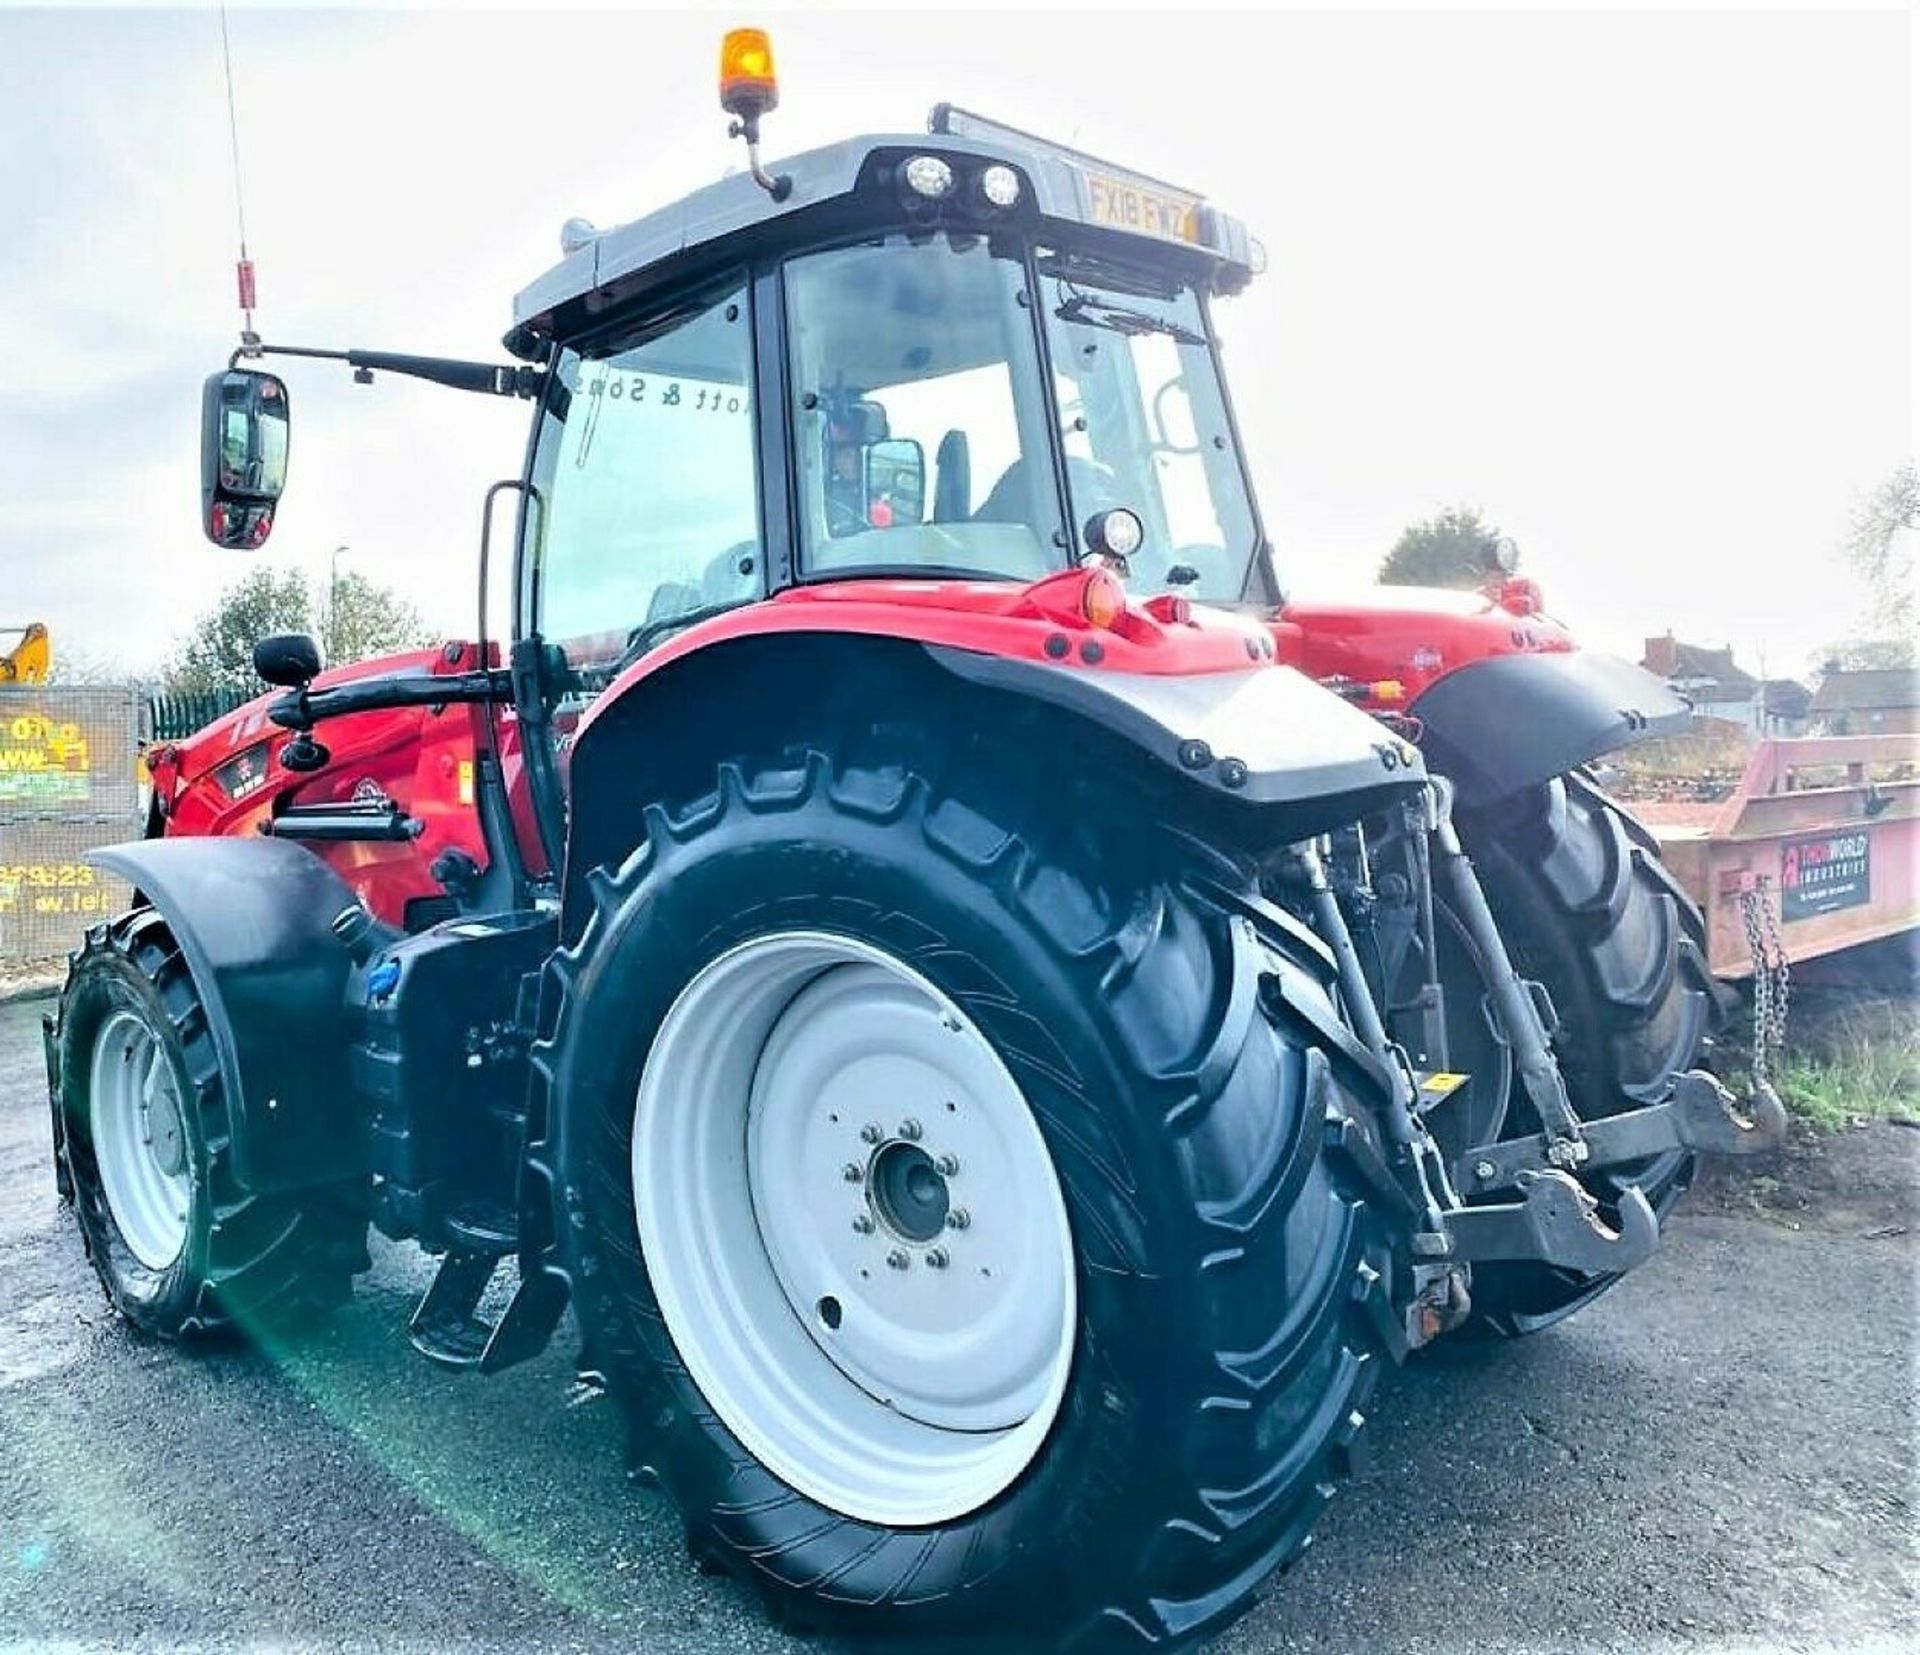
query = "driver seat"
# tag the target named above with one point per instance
(952, 479)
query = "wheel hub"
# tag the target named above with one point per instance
(908, 1193)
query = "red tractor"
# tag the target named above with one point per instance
(911, 936)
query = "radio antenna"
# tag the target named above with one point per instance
(243, 270)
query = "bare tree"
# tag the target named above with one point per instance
(1879, 547)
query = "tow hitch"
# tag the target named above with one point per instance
(1557, 1222)
(1698, 1113)
(1549, 1217)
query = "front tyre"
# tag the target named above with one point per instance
(180, 1249)
(946, 1210)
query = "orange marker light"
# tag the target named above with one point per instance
(1387, 689)
(748, 86)
(1104, 600)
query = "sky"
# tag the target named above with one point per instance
(1638, 284)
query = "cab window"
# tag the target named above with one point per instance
(1145, 425)
(645, 469)
(919, 421)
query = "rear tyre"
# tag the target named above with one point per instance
(1586, 907)
(836, 1005)
(179, 1248)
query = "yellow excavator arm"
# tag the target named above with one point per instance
(28, 660)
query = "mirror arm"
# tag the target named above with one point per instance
(488, 378)
(300, 709)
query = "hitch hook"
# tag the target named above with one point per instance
(1556, 1222)
(1707, 1116)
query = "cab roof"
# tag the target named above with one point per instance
(1061, 186)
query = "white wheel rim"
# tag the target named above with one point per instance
(809, 1104)
(139, 1142)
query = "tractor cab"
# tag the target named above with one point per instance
(971, 356)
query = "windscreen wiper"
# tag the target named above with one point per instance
(1097, 313)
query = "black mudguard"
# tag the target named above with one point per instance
(253, 918)
(1264, 737)
(1515, 721)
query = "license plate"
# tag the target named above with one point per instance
(1125, 204)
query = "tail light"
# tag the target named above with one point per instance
(1103, 600)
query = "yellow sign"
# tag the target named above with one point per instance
(53, 888)
(1125, 204)
(43, 759)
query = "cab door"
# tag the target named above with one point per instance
(643, 513)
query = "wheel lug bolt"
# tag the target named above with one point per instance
(897, 1260)
(871, 1133)
(937, 1258)
(958, 1219)
(851, 1172)
(948, 1165)
(910, 1130)
(1483, 1170)
(862, 1225)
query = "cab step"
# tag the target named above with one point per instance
(449, 1332)
(445, 1329)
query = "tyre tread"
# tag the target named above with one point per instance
(1277, 1396)
(272, 1263)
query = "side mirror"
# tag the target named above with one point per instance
(244, 429)
(288, 659)
(896, 483)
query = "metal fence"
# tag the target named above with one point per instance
(175, 716)
(70, 781)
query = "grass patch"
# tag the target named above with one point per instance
(1851, 1061)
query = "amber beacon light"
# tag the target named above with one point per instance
(748, 90)
(748, 85)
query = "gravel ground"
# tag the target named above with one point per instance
(1719, 1455)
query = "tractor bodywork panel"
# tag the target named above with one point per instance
(1413, 636)
(252, 917)
(409, 772)
(1196, 693)
(1203, 695)
(735, 216)
(1266, 735)
(1516, 720)
(1504, 700)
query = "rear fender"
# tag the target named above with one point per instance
(1259, 752)
(253, 918)
(1514, 721)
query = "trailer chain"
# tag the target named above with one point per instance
(1771, 981)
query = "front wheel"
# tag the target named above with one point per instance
(948, 1212)
(180, 1248)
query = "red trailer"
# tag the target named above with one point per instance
(1822, 832)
